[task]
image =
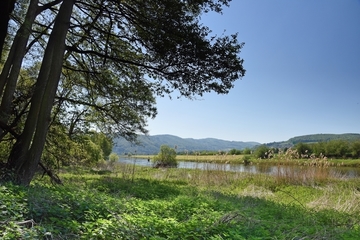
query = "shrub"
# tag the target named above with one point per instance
(235, 152)
(246, 151)
(247, 160)
(165, 158)
(262, 152)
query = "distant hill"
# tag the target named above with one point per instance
(313, 138)
(151, 144)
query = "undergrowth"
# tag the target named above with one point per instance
(179, 204)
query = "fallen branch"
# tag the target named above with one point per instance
(27, 223)
(53, 177)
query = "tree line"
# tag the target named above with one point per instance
(339, 149)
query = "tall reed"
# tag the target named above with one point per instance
(293, 168)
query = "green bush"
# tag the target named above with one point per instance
(247, 160)
(262, 152)
(166, 157)
(246, 151)
(235, 152)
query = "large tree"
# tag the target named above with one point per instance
(6, 8)
(104, 59)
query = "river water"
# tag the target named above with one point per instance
(338, 172)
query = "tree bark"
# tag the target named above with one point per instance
(11, 70)
(6, 8)
(26, 153)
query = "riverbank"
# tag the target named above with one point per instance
(132, 202)
(239, 159)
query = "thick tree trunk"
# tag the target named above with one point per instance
(10, 72)
(6, 8)
(26, 153)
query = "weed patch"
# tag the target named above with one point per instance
(157, 204)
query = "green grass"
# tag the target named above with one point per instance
(146, 203)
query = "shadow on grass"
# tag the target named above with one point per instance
(139, 188)
(161, 209)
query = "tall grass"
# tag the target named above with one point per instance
(312, 171)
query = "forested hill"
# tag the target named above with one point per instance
(151, 144)
(313, 138)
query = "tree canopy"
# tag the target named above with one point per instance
(83, 65)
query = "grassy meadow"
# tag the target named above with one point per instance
(131, 202)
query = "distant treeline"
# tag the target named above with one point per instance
(325, 138)
(340, 149)
(222, 152)
(314, 138)
(331, 149)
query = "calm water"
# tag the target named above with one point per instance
(341, 172)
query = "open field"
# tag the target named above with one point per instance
(129, 202)
(239, 159)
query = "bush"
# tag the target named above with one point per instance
(247, 160)
(262, 152)
(304, 150)
(246, 151)
(165, 158)
(235, 152)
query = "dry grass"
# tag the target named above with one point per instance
(339, 198)
(291, 168)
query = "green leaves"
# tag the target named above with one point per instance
(90, 206)
(166, 157)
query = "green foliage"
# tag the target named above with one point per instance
(262, 152)
(324, 138)
(246, 151)
(315, 138)
(331, 149)
(355, 149)
(246, 160)
(103, 142)
(303, 149)
(96, 69)
(235, 152)
(113, 157)
(84, 149)
(90, 206)
(94, 152)
(166, 157)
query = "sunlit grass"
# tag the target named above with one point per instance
(133, 202)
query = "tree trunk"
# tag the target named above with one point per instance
(10, 72)
(26, 153)
(6, 8)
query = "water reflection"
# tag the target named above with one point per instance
(339, 172)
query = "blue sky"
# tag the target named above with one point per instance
(302, 59)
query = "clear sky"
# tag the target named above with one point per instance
(302, 61)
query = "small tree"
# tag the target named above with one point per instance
(235, 151)
(246, 151)
(166, 157)
(303, 149)
(262, 152)
(113, 157)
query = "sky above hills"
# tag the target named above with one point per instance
(302, 61)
